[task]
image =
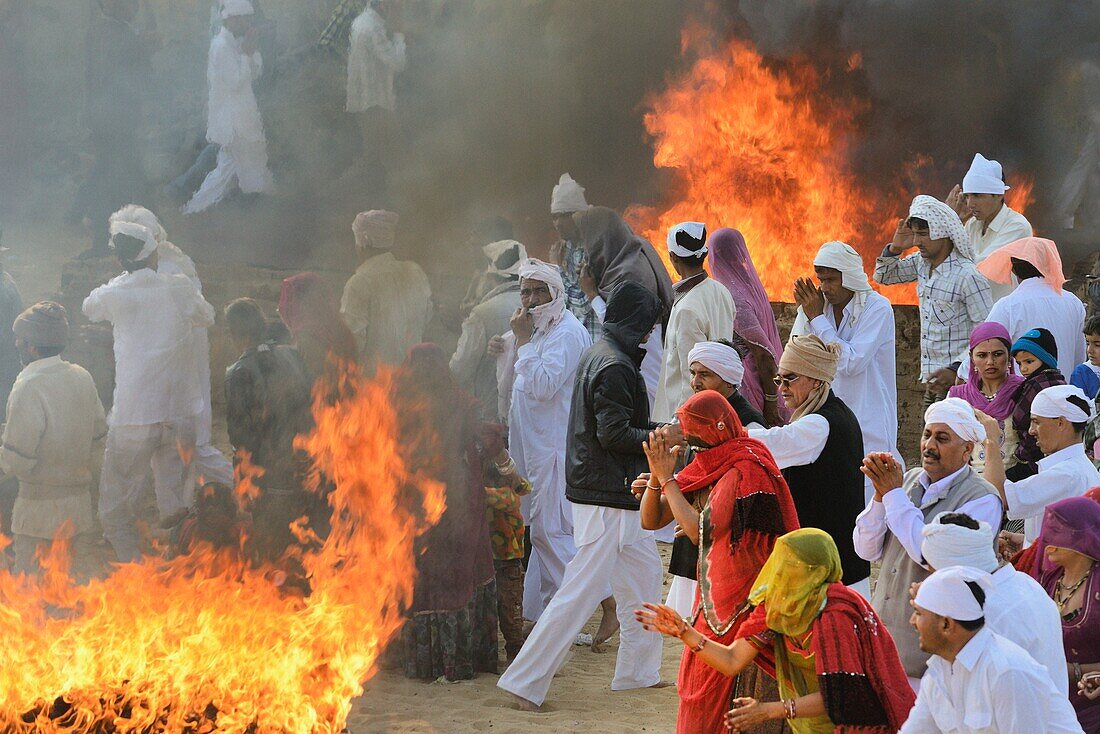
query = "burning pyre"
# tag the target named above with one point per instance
(205, 642)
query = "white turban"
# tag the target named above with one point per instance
(376, 228)
(138, 232)
(942, 222)
(688, 239)
(1056, 402)
(947, 545)
(236, 7)
(959, 417)
(567, 197)
(984, 177)
(720, 359)
(505, 256)
(945, 593)
(144, 217)
(547, 314)
(843, 257)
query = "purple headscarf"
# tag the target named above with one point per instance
(1072, 523)
(1001, 406)
(731, 265)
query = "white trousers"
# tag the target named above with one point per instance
(130, 452)
(551, 549)
(243, 162)
(611, 548)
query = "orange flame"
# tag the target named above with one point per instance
(1022, 194)
(763, 150)
(205, 642)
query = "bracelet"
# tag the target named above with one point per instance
(667, 482)
(789, 708)
(773, 398)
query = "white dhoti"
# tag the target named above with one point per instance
(243, 162)
(551, 522)
(168, 448)
(612, 548)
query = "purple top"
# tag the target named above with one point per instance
(731, 265)
(1000, 407)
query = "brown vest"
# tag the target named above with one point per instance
(891, 596)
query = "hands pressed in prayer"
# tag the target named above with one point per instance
(659, 618)
(884, 471)
(903, 238)
(662, 454)
(674, 433)
(941, 380)
(808, 296)
(523, 326)
(991, 425)
(1009, 544)
(1089, 686)
(637, 487)
(496, 346)
(747, 713)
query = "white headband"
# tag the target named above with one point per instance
(959, 417)
(954, 545)
(1053, 403)
(722, 360)
(945, 593)
(138, 232)
(688, 239)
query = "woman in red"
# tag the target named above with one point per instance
(732, 501)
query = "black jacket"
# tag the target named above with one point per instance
(609, 415)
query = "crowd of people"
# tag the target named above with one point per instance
(592, 408)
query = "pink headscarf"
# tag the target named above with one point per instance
(731, 265)
(1041, 253)
(1001, 406)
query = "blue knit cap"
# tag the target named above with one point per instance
(1039, 342)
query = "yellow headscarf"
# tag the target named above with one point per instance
(795, 579)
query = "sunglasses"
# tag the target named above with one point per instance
(781, 381)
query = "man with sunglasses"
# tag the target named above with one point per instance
(820, 450)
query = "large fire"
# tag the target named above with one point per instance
(765, 150)
(206, 643)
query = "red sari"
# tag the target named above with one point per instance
(748, 508)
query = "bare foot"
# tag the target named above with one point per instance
(523, 704)
(663, 684)
(609, 625)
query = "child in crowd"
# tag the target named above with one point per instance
(1036, 354)
(1087, 375)
(504, 487)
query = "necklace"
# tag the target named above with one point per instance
(1066, 593)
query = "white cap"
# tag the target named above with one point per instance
(688, 239)
(984, 177)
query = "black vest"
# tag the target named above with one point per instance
(828, 493)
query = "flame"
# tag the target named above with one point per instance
(764, 150)
(1022, 194)
(206, 642)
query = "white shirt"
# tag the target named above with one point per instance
(1035, 304)
(1065, 473)
(232, 112)
(153, 315)
(542, 391)
(373, 59)
(387, 304)
(993, 687)
(1020, 610)
(704, 313)
(795, 444)
(898, 515)
(1008, 226)
(866, 377)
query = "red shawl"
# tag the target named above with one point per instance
(858, 669)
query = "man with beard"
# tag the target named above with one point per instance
(52, 440)
(608, 421)
(889, 529)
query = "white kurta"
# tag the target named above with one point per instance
(1063, 474)
(993, 685)
(1020, 610)
(387, 304)
(612, 548)
(1035, 304)
(233, 123)
(704, 313)
(373, 60)
(1008, 226)
(537, 428)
